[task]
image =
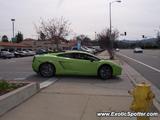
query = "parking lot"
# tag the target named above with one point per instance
(21, 69)
(70, 97)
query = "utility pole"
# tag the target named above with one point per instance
(13, 20)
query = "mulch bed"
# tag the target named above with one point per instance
(9, 86)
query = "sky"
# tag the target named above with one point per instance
(136, 17)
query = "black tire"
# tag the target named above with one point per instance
(47, 70)
(105, 72)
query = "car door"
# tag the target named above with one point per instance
(67, 63)
(85, 64)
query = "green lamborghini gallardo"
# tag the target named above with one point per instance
(74, 63)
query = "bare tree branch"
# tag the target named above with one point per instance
(54, 29)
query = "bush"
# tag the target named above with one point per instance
(6, 86)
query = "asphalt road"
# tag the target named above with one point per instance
(18, 69)
(146, 63)
(21, 69)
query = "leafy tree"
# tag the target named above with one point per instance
(54, 29)
(4, 38)
(19, 37)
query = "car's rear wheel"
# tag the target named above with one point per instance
(105, 72)
(47, 70)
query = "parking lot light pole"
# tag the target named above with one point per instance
(13, 26)
(110, 23)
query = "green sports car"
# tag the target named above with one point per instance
(74, 63)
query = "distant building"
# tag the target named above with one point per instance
(38, 44)
(10, 45)
(48, 44)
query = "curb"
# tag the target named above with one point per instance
(16, 97)
(137, 78)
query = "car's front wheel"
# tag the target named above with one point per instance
(47, 70)
(105, 72)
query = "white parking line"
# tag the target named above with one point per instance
(47, 83)
(153, 68)
(11, 61)
(19, 78)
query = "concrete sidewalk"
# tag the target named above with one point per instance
(78, 98)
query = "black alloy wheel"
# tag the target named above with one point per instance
(105, 72)
(47, 70)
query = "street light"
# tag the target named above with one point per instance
(110, 13)
(13, 26)
(110, 18)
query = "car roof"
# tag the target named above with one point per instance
(75, 51)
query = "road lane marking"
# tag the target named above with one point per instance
(47, 82)
(153, 68)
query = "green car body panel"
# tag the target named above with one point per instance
(71, 66)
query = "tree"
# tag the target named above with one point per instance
(54, 29)
(158, 39)
(4, 38)
(42, 36)
(107, 42)
(19, 37)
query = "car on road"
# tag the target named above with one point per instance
(74, 63)
(138, 50)
(117, 49)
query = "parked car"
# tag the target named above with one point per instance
(30, 53)
(23, 53)
(16, 53)
(41, 51)
(74, 48)
(138, 50)
(86, 49)
(74, 63)
(6, 54)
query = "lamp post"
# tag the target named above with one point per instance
(13, 26)
(110, 24)
(95, 35)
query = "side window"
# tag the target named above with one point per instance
(83, 56)
(89, 57)
(66, 55)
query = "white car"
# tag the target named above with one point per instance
(30, 53)
(117, 49)
(6, 54)
(138, 50)
(86, 49)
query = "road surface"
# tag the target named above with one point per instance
(146, 63)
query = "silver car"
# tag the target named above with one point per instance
(6, 54)
(138, 50)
